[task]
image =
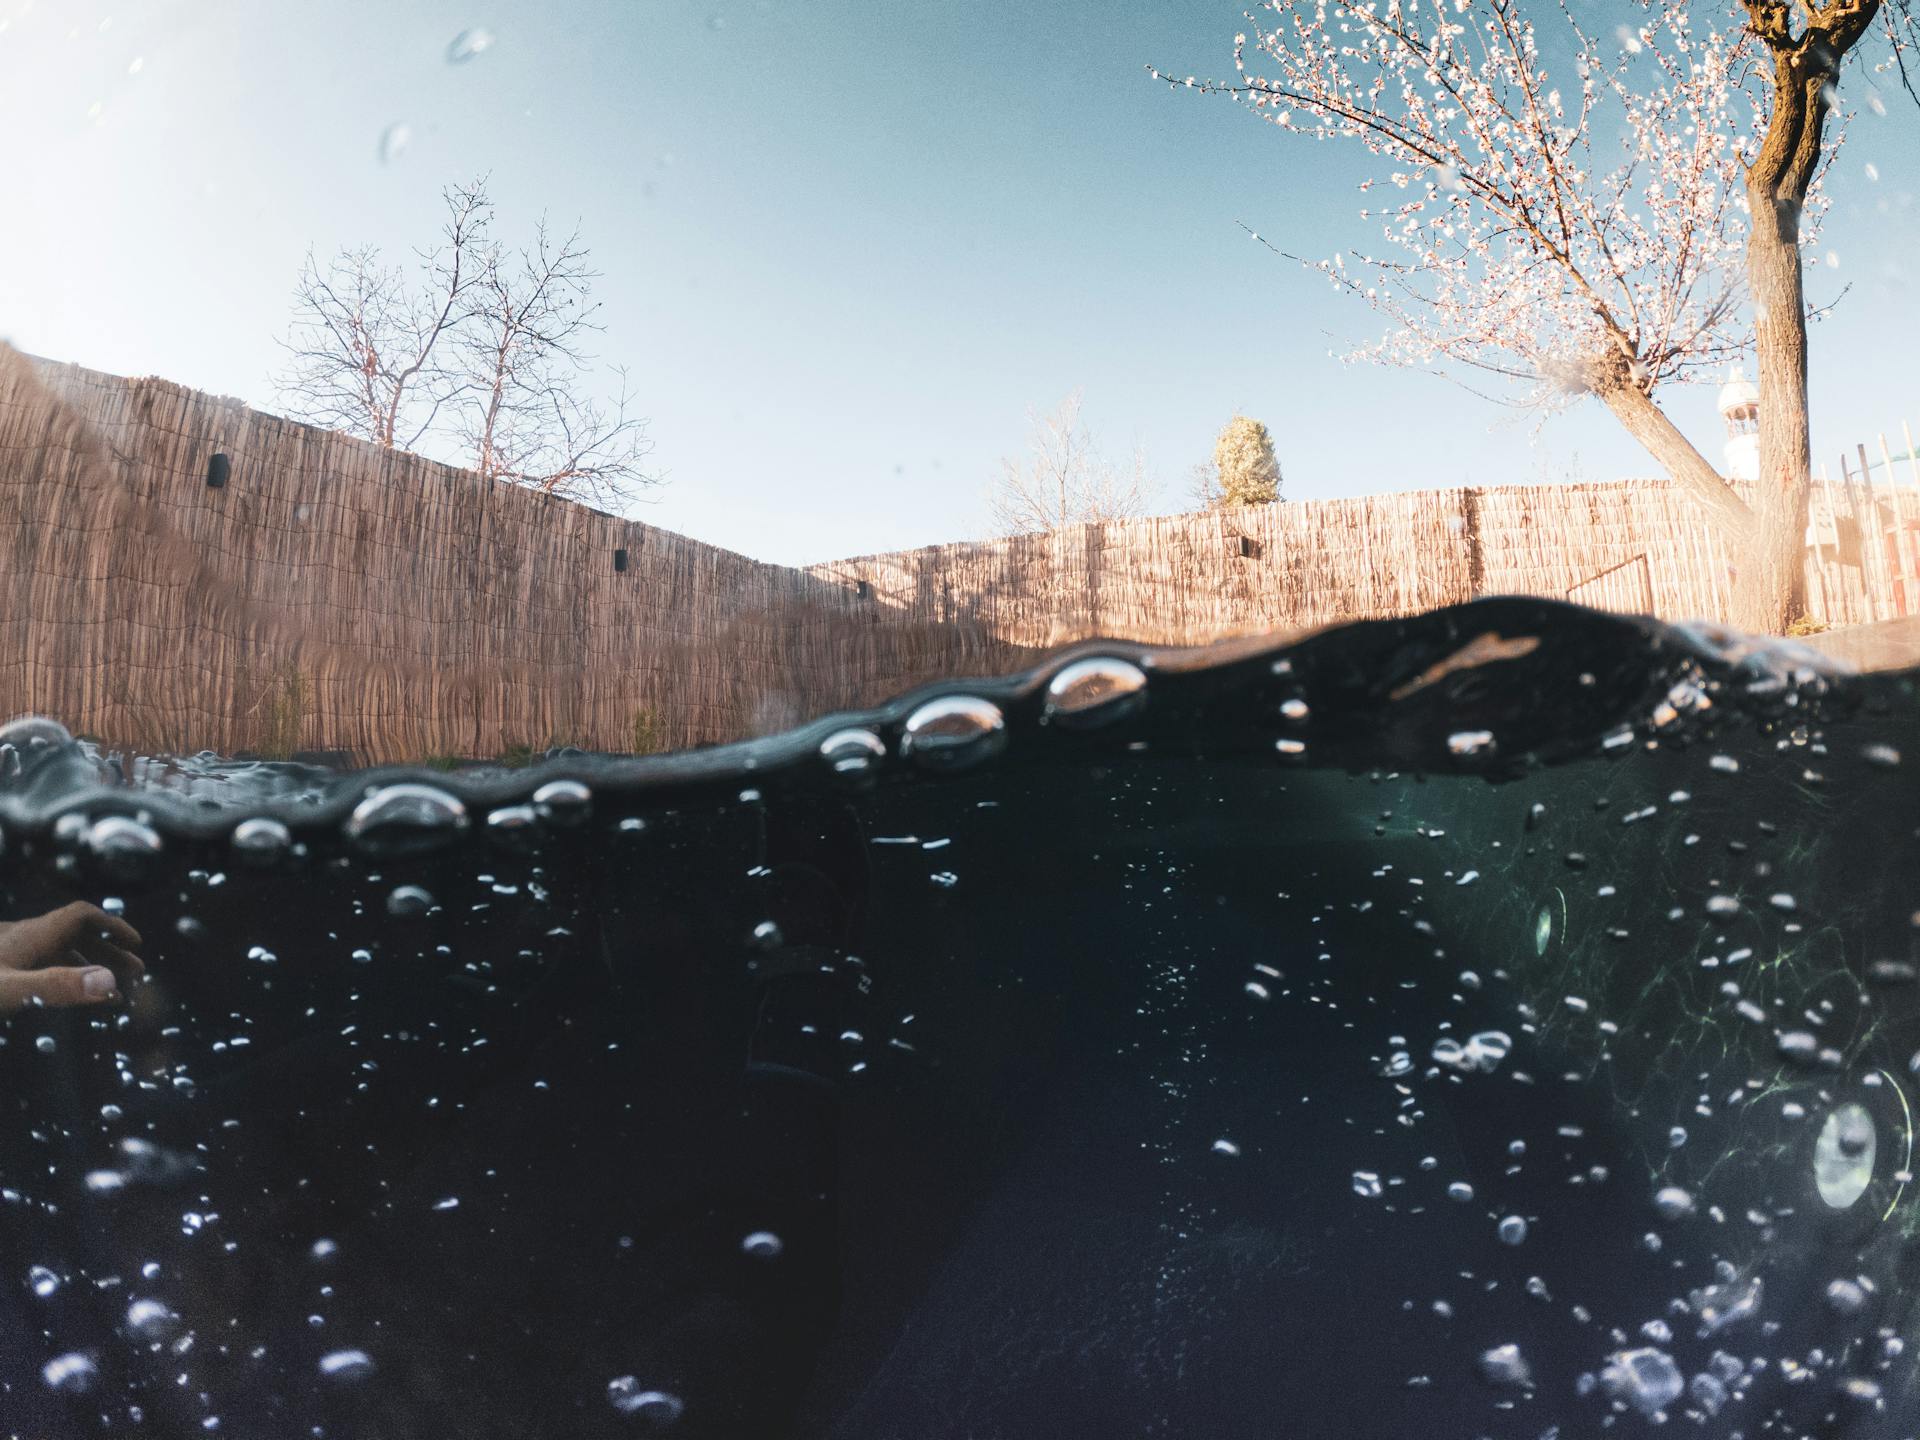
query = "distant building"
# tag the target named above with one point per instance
(1740, 409)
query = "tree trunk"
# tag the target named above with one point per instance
(1648, 424)
(1771, 586)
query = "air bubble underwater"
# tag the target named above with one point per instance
(627, 1397)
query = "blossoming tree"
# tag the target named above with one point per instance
(1568, 206)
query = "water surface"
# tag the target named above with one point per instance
(1496, 1023)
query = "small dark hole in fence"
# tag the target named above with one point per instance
(620, 560)
(862, 590)
(1246, 547)
(218, 468)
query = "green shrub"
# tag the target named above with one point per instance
(648, 734)
(283, 714)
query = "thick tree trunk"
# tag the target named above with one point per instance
(1771, 588)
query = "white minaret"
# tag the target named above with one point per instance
(1740, 408)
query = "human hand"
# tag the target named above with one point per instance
(76, 955)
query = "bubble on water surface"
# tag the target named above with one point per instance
(406, 819)
(1366, 1184)
(125, 846)
(261, 840)
(1512, 1230)
(852, 751)
(42, 1281)
(953, 733)
(31, 732)
(563, 802)
(1097, 691)
(515, 826)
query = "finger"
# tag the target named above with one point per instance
(93, 950)
(59, 986)
(62, 927)
(79, 918)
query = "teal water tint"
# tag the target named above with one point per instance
(1496, 1023)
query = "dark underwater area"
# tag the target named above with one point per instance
(1500, 1022)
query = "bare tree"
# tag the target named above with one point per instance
(483, 350)
(1204, 487)
(521, 414)
(1583, 236)
(367, 346)
(1065, 480)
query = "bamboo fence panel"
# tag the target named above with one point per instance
(1904, 546)
(347, 598)
(334, 596)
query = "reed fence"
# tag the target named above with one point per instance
(182, 572)
(327, 595)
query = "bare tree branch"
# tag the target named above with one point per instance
(486, 350)
(366, 351)
(1064, 480)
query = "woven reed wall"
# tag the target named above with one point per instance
(1188, 579)
(1636, 546)
(334, 596)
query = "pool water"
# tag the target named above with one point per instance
(1501, 1022)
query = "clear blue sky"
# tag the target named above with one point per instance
(847, 244)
